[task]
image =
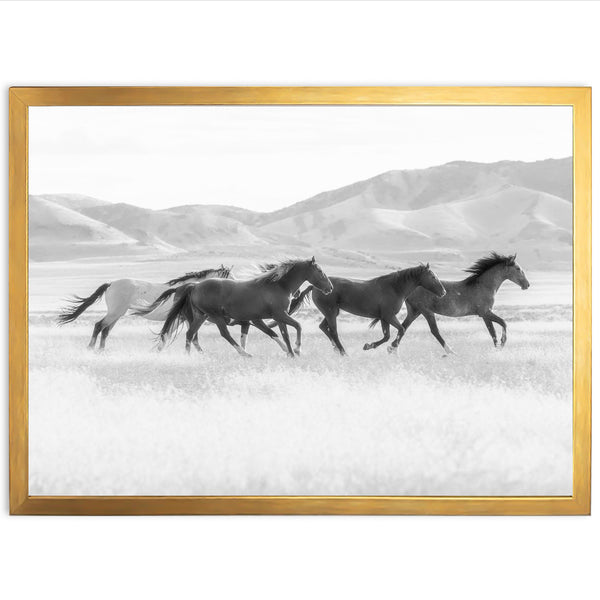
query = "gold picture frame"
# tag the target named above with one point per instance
(21, 98)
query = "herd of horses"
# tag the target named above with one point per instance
(277, 293)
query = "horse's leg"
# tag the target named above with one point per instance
(116, 308)
(262, 326)
(118, 304)
(197, 343)
(332, 323)
(490, 328)
(97, 329)
(103, 335)
(285, 318)
(393, 320)
(105, 331)
(411, 314)
(191, 336)
(500, 322)
(430, 317)
(385, 327)
(286, 338)
(325, 329)
(245, 326)
(222, 325)
(190, 316)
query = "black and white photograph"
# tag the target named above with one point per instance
(301, 300)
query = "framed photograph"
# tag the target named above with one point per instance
(300, 300)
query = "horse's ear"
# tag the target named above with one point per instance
(313, 261)
(427, 266)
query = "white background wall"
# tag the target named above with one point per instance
(485, 43)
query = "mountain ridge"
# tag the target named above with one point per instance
(460, 206)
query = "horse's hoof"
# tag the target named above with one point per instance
(367, 347)
(292, 355)
(297, 351)
(392, 349)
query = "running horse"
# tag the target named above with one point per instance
(188, 314)
(379, 299)
(266, 296)
(123, 294)
(474, 295)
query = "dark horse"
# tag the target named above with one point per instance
(265, 296)
(188, 314)
(474, 295)
(379, 299)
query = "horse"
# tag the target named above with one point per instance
(379, 299)
(188, 314)
(474, 295)
(251, 301)
(122, 294)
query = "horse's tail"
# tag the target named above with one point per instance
(298, 300)
(175, 316)
(373, 323)
(79, 305)
(142, 311)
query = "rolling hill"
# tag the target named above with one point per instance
(454, 211)
(60, 233)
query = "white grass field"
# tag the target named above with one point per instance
(132, 421)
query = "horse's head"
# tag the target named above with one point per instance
(317, 277)
(429, 280)
(515, 273)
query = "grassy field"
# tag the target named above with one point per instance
(131, 421)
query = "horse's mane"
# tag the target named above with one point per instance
(273, 272)
(402, 275)
(264, 267)
(410, 273)
(479, 267)
(222, 271)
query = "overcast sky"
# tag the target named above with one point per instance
(263, 157)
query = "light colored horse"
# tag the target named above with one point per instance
(123, 294)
